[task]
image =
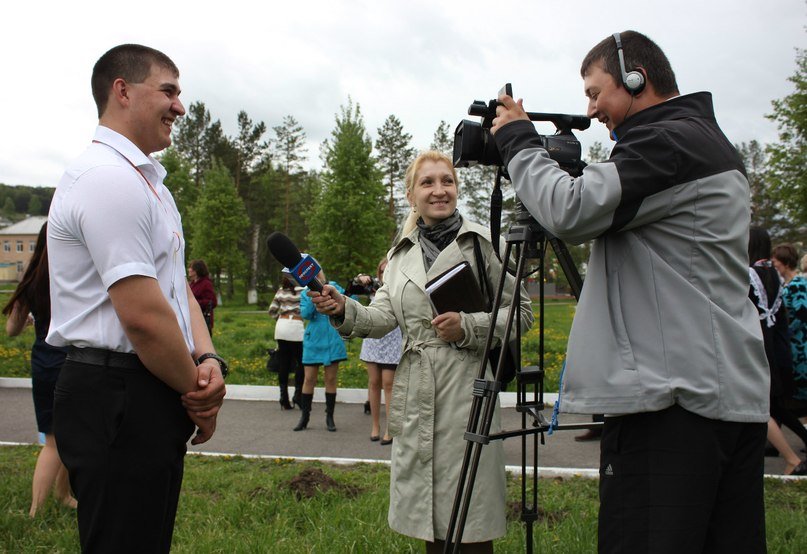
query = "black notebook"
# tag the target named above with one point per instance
(456, 290)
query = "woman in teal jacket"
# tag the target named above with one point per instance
(322, 346)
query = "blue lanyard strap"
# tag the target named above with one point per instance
(556, 409)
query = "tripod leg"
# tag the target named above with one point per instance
(483, 405)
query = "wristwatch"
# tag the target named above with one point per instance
(219, 359)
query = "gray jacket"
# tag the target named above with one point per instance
(664, 317)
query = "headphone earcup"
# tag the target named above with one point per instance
(634, 82)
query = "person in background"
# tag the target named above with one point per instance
(381, 356)
(785, 260)
(766, 293)
(431, 394)
(32, 295)
(322, 347)
(289, 329)
(203, 291)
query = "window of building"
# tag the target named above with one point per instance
(19, 246)
(19, 267)
(6, 246)
(31, 246)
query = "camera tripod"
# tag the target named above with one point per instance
(529, 241)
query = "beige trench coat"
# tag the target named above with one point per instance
(432, 392)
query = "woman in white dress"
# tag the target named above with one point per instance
(381, 356)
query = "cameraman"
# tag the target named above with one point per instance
(664, 337)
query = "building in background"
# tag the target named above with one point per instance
(17, 244)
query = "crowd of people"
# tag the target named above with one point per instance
(767, 292)
(689, 337)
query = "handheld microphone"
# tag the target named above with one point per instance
(304, 269)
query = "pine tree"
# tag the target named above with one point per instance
(182, 187)
(443, 141)
(394, 156)
(35, 206)
(220, 224)
(597, 153)
(289, 151)
(350, 227)
(765, 211)
(9, 208)
(193, 139)
(248, 148)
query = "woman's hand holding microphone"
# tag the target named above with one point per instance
(328, 302)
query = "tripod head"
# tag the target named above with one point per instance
(532, 236)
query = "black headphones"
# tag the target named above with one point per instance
(634, 80)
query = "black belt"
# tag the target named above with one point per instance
(106, 358)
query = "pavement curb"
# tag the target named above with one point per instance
(271, 393)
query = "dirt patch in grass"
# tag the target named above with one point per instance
(312, 481)
(551, 518)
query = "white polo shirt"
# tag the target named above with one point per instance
(106, 223)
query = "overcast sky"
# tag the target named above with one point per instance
(424, 61)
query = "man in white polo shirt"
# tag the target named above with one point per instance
(141, 370)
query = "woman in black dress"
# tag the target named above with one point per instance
(33, 297)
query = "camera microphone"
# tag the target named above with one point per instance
(304, 269)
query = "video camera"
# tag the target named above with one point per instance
(473, 143)
(356, 287)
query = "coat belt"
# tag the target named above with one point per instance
(424, 397)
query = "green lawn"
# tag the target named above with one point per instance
(242, 335)
(236, 505)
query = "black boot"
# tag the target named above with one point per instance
(283, 381)
(299, 376)
(284, 399)
(305, 404)
(330, 402)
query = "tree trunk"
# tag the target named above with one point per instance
(288, 203)
(252, 293)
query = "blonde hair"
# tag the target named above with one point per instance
(411, 176)
(379, 271)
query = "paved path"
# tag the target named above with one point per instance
(260, 427)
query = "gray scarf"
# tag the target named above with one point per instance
(434, 238)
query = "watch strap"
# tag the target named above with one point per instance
(219, 359)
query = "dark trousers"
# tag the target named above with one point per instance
(674, 482)
(122, 435)
(291, 361)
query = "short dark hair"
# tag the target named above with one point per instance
(786, 254)
(132, 62)
(639, 52)
(200, 268)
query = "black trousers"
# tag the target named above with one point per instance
(121, 434)
(291, 362)
(674, 482)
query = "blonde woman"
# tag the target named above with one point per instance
(431, 395)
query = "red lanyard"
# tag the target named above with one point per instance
(151, 187)
(153, 190)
